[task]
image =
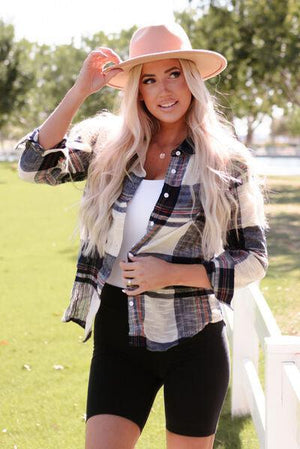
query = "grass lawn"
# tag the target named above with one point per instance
(44, 369)
(281, 286)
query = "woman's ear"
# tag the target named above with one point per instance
(140, 97)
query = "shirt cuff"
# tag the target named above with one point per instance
(32, 139)
(220, 272)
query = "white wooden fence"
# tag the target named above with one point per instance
(276, 410)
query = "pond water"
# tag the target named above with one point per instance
(283, 166)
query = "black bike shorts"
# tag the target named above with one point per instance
(124, 379)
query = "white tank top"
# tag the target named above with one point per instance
(138, 212)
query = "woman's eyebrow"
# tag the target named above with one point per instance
(172, 68)
(166, 71)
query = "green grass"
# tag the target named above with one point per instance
(43, 407)
(281, 286)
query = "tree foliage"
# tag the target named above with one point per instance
(258, 38)
(14, 81)
(260, 41)
(55, 70)
(288, 125)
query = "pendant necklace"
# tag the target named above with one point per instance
(162, 155)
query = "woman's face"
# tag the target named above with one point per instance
(164, 90)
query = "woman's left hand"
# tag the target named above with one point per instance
(149, 273)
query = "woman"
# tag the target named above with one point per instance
(171, 221)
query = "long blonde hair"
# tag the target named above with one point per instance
(219, 157)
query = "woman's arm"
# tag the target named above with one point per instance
(48, 155)
(245, 257)
(54, 129)
(193, 275)
(152, 273)
(90, 79)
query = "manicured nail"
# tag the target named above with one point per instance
(130, 255)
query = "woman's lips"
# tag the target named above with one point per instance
(168, 106)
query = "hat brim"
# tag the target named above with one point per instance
(209, 64)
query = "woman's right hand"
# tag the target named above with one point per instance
(91, 77)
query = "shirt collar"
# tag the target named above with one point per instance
(186, 147)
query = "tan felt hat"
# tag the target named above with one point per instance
(152, 43)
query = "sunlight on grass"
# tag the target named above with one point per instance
(282, 285)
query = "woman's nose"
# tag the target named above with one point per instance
(164, 86)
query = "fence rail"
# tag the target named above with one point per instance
(275, 410)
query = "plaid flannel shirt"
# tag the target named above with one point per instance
(162, 318)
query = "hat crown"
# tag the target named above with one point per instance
(158, 39)
(166, 41)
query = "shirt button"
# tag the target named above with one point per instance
(151, 223)
(178, 153)
(166, 195)
(131, 303)
(173, 170)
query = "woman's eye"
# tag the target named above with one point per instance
(175, 74)
(148, 80)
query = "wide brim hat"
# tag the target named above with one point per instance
(168, 41)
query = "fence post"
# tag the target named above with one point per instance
(245, 345)
(278, 417)
(291, 399)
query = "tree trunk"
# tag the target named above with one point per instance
(253, 121)
(250, 132)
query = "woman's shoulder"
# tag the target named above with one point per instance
(241, 163)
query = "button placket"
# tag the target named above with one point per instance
(171, 171)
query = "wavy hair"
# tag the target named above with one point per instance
(218, 160)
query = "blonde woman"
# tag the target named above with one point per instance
(171, 222)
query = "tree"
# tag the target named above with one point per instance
(293, 122)
(14, 82)
(288, 124)
(56, 69)
(259, 40)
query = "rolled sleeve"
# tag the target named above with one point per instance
(244, 259)
(66, 161)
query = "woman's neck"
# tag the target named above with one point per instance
(169, 135)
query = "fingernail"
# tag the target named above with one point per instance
(130, 255)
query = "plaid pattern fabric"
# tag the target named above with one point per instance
(157, 319)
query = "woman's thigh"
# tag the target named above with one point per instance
(175, 441)
(118, 386)
(196, 384)
(111, 432)
(121, 382)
